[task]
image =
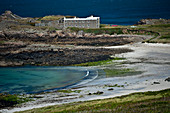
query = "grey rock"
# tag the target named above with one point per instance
(168, 79)
(156, 82)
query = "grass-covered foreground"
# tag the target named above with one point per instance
(8, 100)
(148, 102)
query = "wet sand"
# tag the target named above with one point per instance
(153, 60)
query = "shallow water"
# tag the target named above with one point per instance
(32, 79)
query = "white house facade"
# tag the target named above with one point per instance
(89, 22)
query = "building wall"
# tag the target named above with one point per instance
(82, 23)
(60, 24)
(57, 24)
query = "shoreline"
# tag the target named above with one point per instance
(163, 86)
(155, 70)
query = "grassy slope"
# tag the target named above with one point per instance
(138, 102)
(162, 29)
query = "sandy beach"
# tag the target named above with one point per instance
(151, 60)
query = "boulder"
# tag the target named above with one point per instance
(156, 82)
(168, 79)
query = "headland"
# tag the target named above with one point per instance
(133, 59)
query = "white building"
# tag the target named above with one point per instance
(89, 22)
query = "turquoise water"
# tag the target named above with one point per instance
(34, 79)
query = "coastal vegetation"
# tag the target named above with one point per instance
(158, 101)
(51, 17)
(159, 31)
(98, 63)
(8, 100)
(114, 72)
(1, 42)
(55, 17)
(98, 31)
(69, 91)
(110, 71)
(163, 30)
(115, 85)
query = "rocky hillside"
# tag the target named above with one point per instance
(69, 38)
(153, 21)
(8, 15)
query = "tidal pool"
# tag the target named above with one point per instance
(33, 79)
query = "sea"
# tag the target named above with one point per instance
(119, 12)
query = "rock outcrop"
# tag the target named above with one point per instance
(66, 38)
(153, 21)
(45, 54)
(8, 15)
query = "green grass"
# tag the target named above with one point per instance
(69, 91)
(165, 37)
(138, 102)
(52, 17)
(120, 72)
(114, 72)
(7, 100)
(115, 85)
(1, 42)
(55, 17)
(99, 30)
(163, 30)
(103, 62)
(160, 26)
(98, 63)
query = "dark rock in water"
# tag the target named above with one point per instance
(98, 93)
(89, 94)
(38, 96)
(110, 89)
(156, 82)
(168, 79)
